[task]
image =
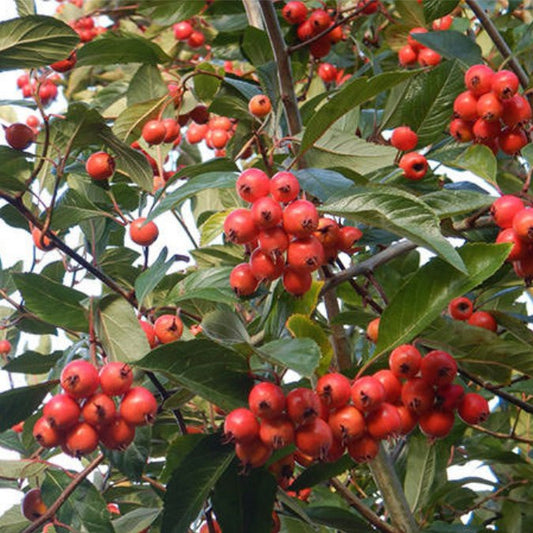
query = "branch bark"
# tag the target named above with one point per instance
(71, 487)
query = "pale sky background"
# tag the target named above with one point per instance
(17, 245)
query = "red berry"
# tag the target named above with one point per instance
(148, 329)
(284, 187)
(489, 107)
(404, 361)
(465, 106)
(473, 409)
(273, 241)
(482, 319)
(118, 434)
(5, 346)
(32, 505)
(305, 254)
(168, 328)
(62, 411)
(100, 166)
(407, 55)
(404, 138)
(81, 439)
(98, 410)
(253, 454)
(138, 407)
(319, 20)
(516, 111)
(242, 280)
(300, 218)
(334, 390)
(79, 379)
(414, 166)
(154, 132)
(294, 12)
(241, 426)
(46, 434)
(116, 378)
(448, 397)
(461, 130)
(65, 64)
(505, 84)
(259, 105)
(438, 368)
(19, 136)
(460, 308)
(240, 227)
(252, 184)
(367, 393)
(478, 79)
(436, 424)
(142, 232)
(511, 141)
(391, 384)
(411, 40)
(519, 250)
(303, 406)
(314, 438)
(428, 57)
(523, 224)
(266, 267)
(327, 72)
(384, 422)
(196, 39)
(182, 30)
(277, 432)
(266, 212)
(364, 449)
(418, 395)
(504, 209)
(347, 423)
(296, 282)
(266, 400)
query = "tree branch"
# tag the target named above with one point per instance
(71, 487)
(286, 82)
(361, 508)
(499, 42)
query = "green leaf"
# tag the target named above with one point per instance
(177, 451)
(430, 290)
(420, 471)
(31, 362)
(210, 180)
(168, 11)
(130, 122)
(118, 329)
(479, 160)
(21, 469)
(209, 284)
(192, 481)
(34, 41)
(133, 461)
(411, 13)
(206, 86)
(25, 7)
(113, 49)
(338, 518)
(399, 213)
(449, 203)
(323, 183)
(72, 208)
(18, 404)
(146, 84)
(320, 472)
(452, 44)
(85, 507)
(340, 150)
(302, 326)
(52, 302)
(12, 521)
(435, 9)
(300, 355)
(136, 521)
(256, 46)
(350, 96)
(225, 327)
(148, 280)
(481, 351)
(14, 169)
(212, 371)
(212, 228)
(427, 103)
(245, 502)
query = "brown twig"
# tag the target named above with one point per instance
(355, 502)
(503, 436)
(69, 489)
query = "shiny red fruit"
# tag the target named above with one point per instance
(19, 136)
(482, 319)
(79, 379)
(116, 378)
(142, 232)
(404, 138)
(100, 166)
(460, 308)
(473, 408)
(414, 166)
(138, 407)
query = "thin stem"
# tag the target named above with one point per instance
(361, 508)
(528, 408)
(71, 487)
(285, 79)
(499, 42)
(503, 436)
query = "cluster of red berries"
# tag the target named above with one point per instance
(47, 91)
(313, 24)
(491, 111)
(462, 308)
(285, 235)
(184, 31)
(216, 131)
(341, 415)
(86, 413)
(414, 52)
(86, 28)
(516, 223)
(413, 164)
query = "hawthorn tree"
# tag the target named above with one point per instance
(310, 92)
